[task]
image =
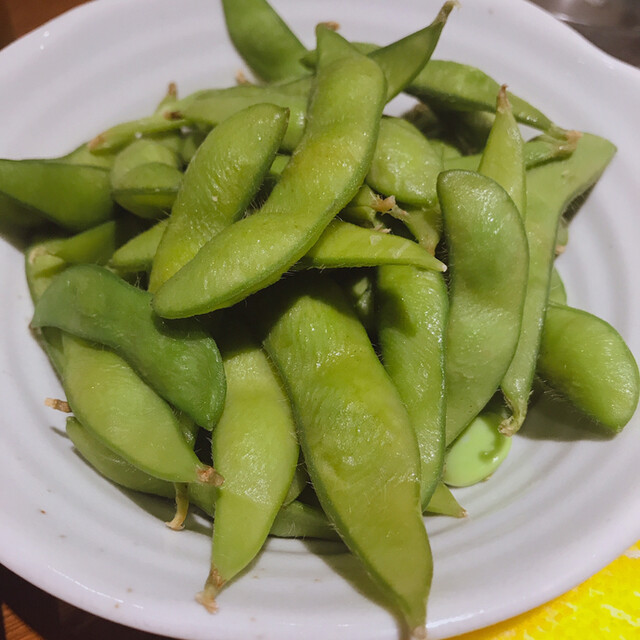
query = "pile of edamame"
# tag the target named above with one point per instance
(308, 318)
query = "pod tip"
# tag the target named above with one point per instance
(502, 103)
(207, 597)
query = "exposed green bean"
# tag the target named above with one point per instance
(478, 452)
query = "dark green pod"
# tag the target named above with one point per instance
(179, 360)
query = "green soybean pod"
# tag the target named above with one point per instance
(324, 173)
(355, 434)
(452, 85)
(401, 61)
(111, 400)
(557, 292)
(254, 447)
(218, 105)
(268, 46)
(404, 164)
(484, 234)
(137, 254)
(145, 178)
(550, 189)
(218, 185)
(300, 520)
(179, 360)
(346, 245)
(503, 157)
(585, 360)
(112, 466)
(412, 318)
(73, 197)
(536, 152)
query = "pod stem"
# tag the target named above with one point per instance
(182, 506)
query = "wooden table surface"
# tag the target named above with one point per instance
(27, 612)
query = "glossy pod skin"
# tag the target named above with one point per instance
(73, 197)
(254, 447)
(404, 164)
(214, 108)
(218, 185)
(484, 232)
(412, 317)
(355, 434)
(180, 361)
(586, 361)
(109, 398)
(346, 245)
(254, 252)
(503, 157)
(550, 189)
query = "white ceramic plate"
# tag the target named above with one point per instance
(558, 510)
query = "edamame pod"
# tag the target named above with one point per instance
(137, 254)
(145, 178)
(179, 360)
(72, 196)
(355, 434)
(550, 188)
(214, 108)
(346, 245)
(275, 53)
(452, 85)
(300, 520)
(404, 164)
(218, 185)
(254, 447)
(489, 262)
(412, 318)
(324, 173)
(109, 398)
(586, 360)
(503, 157)
(112, 466)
